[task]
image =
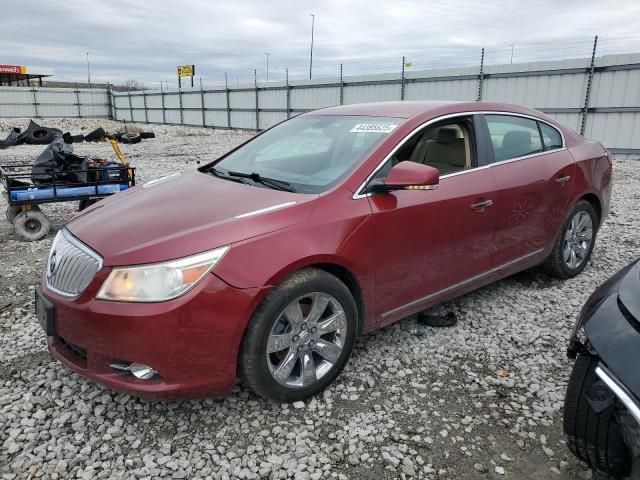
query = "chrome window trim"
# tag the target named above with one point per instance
(619, 390)
(463, 283)
(359, 191)
(81, 246)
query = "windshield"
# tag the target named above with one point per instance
(311, 153)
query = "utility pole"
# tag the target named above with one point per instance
(267, 55)
(511, 55)
(313, 22)
(88, 70)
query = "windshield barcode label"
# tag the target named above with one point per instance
(373, 128)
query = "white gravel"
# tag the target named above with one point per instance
(480, 400)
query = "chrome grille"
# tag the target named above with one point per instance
(71, 265)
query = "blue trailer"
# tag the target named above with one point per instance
(24, 197)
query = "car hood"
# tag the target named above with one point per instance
(182, 215)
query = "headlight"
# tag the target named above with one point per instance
(158, 282)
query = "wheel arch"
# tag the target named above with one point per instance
(595, 202)
(337, 267)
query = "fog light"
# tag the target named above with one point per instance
(138, 370)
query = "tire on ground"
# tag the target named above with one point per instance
(41, 136)
(554, 264)
(595, 438)
(146, 135)
(95, 136)
(254, 371)
(131, 138)
(31, 225)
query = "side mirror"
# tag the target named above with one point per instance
(408, 176)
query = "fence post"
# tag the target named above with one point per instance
(226, 92)
(288, 94)
(202, 103)
(130, 106)
(110, 101)
(164, 116)
(35, 102)
(255, 84)
(342, 86)
(144, 100)
(480, 76)
(180, 104)
(587, 95)
(402, 81)
(77, 92)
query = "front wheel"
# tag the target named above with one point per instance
(300, 338)
(572, 249)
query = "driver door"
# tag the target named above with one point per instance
(430, 244)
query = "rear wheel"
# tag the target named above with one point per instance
(572, 249)
(300, 338)
(590, 425)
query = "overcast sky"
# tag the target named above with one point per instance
(145, 40)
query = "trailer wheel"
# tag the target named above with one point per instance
(11, 212)
(31, 225)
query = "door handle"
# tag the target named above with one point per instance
(562, 180)
(481, 206)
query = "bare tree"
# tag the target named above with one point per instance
(132, 85)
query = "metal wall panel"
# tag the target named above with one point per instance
(371, 93)
(155, 116)
(91, 111)
(190, 117)
(243, 120)
(171, 100)
(191, 100)
(442, 90)
(137, 101)
(614, 130)
(272, 98)
(312, 98)
(242, 99)
(269, 119)
(216, 119)
(138, 115)
(215, 100)
(154, 101)
(173, 116)
(67, 97)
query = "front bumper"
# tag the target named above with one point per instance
(191, 341)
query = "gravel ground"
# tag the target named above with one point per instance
(482, 399)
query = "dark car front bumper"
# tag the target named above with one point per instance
(609, 328)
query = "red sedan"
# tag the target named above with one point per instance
(268, 263)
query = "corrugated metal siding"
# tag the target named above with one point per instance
(312, 98)
(191, 100)
(216, 119)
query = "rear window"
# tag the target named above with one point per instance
(550, 136)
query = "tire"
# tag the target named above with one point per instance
(595, 438)
(146, 135)
(86, 203)
(41, 136)
(11, 212)
(31, 225)
(556, 265)
(131, 138)
(310, 286)
(95, 136)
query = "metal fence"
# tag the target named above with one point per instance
(54, 102)
(597, 96)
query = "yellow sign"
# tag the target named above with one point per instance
(408, 64)
(186, 70)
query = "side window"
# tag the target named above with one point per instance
(550, 136)
(445, 146)
(513, 137)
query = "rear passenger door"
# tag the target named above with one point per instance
(533, 174)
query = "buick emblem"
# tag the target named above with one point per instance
(52, 265)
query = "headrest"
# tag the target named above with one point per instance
(458, 157)
(517, 139)
(446, 135)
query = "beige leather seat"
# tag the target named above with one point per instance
(446, 152)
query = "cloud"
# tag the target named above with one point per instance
(146, 40)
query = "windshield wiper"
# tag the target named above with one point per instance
(219, 174)
(269, 182)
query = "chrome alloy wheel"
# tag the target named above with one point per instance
(306, 340)
(577, 239)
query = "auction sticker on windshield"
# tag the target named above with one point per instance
(373, 128)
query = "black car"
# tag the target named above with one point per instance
(602, 405)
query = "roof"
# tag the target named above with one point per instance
(406, 109)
